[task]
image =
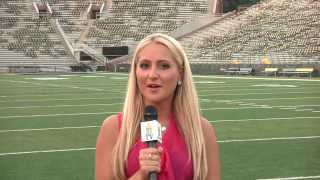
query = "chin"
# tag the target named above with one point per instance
(155, 100)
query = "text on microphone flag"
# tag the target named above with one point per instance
(151, 131)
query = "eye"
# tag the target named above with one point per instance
(144, 65)
(164, 66)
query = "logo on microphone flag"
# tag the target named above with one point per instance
(151, 131)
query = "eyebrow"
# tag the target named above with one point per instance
(158, 60)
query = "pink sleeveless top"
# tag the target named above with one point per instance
(175, 163)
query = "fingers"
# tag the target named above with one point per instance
(150, 160)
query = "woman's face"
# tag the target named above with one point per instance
(157, 74)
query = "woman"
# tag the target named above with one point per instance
(160, 76)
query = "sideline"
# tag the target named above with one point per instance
(258, 78)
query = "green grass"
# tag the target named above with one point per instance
(254, 111)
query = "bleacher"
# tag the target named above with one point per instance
(283, 31)
(132, 20)
(288, 31)
(26, 40)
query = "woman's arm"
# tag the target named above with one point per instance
(212, 150)
(149, 158)
(105, 142)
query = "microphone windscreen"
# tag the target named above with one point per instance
(150, 126)
(150, 113)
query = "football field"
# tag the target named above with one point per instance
(267, 128)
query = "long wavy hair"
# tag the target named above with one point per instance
(185, 108)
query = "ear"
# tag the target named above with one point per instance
(180, 78)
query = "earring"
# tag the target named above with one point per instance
(179, 83)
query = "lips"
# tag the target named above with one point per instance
(153, 86)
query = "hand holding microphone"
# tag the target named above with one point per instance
(149, 158)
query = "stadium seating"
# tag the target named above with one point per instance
(27, 40)
(287, 31)
(135, 19)
(283, 31)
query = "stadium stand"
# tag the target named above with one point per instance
(132, 20)
(285, 32)
(284, 29)
(29, 41)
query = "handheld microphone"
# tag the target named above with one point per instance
(151, 131)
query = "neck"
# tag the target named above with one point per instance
(164, 110)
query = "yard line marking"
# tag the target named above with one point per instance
(292, 178)
(267, 93)
(76, 114)
(46, 129)
(56, 85)
(288, 108)
(268, 139)
(307, 105)
(62, 99)
(58, 94)
(251, 107)
(47, 151)
(262, 119)
(208, 89)
(264, 99)
(48, 115)
(298, 110)
(249, 104)
(221, 141)
(63, 105)
(274, 85)
(84, 127)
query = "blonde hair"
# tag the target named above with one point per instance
(185, 107)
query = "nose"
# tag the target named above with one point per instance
(153, 73)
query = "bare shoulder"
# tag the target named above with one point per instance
(110, 127)
(111, 122)
(207, 127)
(106, 141)
(212, 150)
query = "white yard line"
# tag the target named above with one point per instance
(251, 107)
(295, 106)
(47, 151)
(217, 121)
(63, 105)
(293, 178)
(59, 94)
(109, 98)
(213, 89)
(266, 99)
(263, 119)
(77, 114)
(48, 115)
(267, 139)
(56, 85)
(221, 141)
(266, 93)
(288, 108)
(46, 129)
(62, 99)
(299, 110)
